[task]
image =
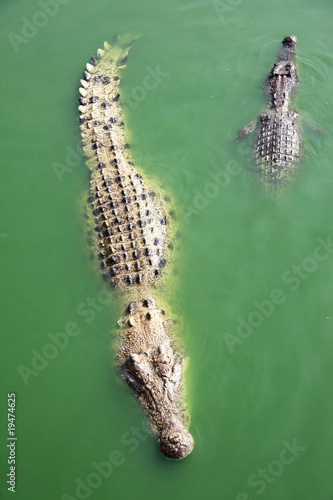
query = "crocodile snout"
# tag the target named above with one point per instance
(289, 41)
(176, 443)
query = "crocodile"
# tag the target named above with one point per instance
(133, 239)
(278, 144)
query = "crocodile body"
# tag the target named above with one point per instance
(278, 144)
(134, 241)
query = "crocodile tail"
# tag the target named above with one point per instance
(111, 55)
(116, 51)
(105, 68)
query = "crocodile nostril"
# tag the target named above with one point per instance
(289, 40)
(176, 445)
(174, 438)
(164, 370)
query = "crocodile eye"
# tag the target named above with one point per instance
(164, 354)
(164, 370)
(138, 369)
(142, 377)
(289, 69)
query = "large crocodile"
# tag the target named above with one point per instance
(277, 150)
(134, 233)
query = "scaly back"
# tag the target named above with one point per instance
(131, 222)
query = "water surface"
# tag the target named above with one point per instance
(254, 292)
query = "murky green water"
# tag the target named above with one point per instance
(255, 274)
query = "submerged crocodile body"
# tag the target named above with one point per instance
(278, 147)
(134, 241)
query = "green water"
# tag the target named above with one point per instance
(253, 392)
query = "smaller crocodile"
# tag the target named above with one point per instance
(278, 144)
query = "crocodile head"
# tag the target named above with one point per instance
(288, 49)
(153, 370)
(284, 71)
(282, 78)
